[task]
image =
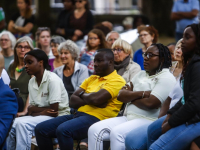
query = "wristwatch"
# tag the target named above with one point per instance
(81, 93)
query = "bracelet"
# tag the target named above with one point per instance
(143, 94)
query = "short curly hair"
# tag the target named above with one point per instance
(151, 30)
(71, 47)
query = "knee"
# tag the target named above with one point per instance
(61, 132)
(94, 131)
(38, 129)
(115, 134)
(128, 141)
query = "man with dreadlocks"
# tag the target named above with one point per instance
(144, 97)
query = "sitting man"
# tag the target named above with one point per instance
(111, 37)
(8, 101)
(96, 99)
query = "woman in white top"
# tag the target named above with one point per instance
(144, 100)
(47, 97)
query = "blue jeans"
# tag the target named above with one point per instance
(65, 128)
(137, 138)
(178, 138)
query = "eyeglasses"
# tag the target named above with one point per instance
(93, 38)
(80, 1)
(25, 47)
(117, 50)
(149, 55)
(143, 35)
(6, 40)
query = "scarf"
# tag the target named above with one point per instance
(121, 68)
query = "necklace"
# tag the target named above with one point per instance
(19, 70)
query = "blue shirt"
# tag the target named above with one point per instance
(181, 6)
(138, 58)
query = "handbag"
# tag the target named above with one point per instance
(19, 99)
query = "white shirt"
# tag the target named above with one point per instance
(160, 85)
(5, 77)
(50, 91)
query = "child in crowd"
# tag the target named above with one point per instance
(96, 40)
(47, 97)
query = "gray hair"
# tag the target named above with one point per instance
(71, 47)
(107, 36)
(25, 39)
(11, 37)
(57, 39)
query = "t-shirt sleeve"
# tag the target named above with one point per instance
(14, 17)
(84, 85)
(31, 101)
(195, 4)
(31, 19)
(160, 91)
(114, 85)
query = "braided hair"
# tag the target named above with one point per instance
(165, 55)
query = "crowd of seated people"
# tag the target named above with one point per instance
(103, 95)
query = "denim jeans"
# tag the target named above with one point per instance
(65, 128)
(137, 138)
(178, 138)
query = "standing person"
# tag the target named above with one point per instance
(72, 72)
(8, 101)
(147, 35)
(55, 42)
(96, 40)
(111, 37)
(61, 22)
(80, 21)
(96, 99)
(7, 43)
(48, 99)
(2, 20)
(43, 38)
(144, 97)
(23, 21)
(184, 12)
(16, 71)
(181, 124)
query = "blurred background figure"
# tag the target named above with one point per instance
(111, 37)
(128, 23)
(147, 35)
(171, 47)
(55, 42)
(23, 21)
(16, 71)
(61, 22)
(96, 40)
(43, 38)
(7, 43)
(80, 21)
(184, 12)
(2, 20)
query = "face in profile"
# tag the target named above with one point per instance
(119, 54)
(178, 53)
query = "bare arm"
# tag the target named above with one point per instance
(10, 26)
(182, 15)
(165, 107)
(25, 29)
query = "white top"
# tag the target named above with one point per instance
(50, 91)
(160, 85)
(5, 77)
(176, 93)
(51, 56)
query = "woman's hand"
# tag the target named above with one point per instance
(19, 114)
(78, 32)
(49, 112)
(127, 87)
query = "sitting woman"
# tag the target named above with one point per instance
(22, 22)
(144, 100)
(55, 42)
(16, 71)
(123, 60)
(147, 35)
(181, 124)
(72, 73)
(48, 98)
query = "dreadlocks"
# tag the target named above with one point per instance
(165, 55)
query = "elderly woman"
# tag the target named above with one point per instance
(145, 95)
(147, 35)
(55, 42)
(123, 60)
(7, 43)
(16, 71)
(72, 73)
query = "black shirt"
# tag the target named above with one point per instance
(68, 85)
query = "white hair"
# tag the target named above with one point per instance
(11, 37)
(107, 36)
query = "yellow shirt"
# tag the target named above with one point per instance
(112, 83)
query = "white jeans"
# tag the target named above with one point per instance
(113, 130)
(22, 130)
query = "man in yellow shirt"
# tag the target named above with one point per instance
(96, 99)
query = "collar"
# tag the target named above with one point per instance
(1, 82)
(163, 70)
(44, 79)
(76, 66)
(108, 76)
